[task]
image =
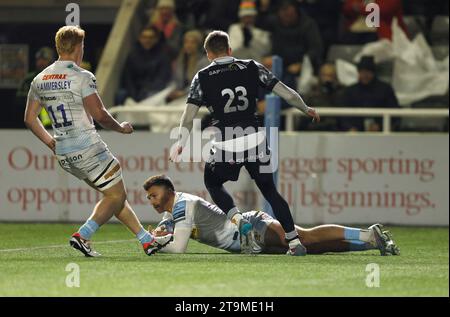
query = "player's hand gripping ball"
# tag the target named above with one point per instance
(163, 228)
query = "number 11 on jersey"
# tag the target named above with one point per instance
(62, 111)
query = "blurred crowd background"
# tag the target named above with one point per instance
(330, 55)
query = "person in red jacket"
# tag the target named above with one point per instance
(355, 13)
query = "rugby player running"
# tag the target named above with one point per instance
(69, 94)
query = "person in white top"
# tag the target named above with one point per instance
(189, 216)
(69, 94)
(246, 39)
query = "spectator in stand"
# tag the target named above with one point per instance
(369, 92)
(165, 20)
(356, 31)
(248, 41)
(266, 6)
(44, 57)
(294, 35)
(147, 69)
(190, 60)
(326, 93)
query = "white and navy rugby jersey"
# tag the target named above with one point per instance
(60, 88)
(196, 218)
(229, 88)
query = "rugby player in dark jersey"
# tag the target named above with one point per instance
(229, 87)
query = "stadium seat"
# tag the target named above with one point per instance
(415, 24)
(440, 51)
(432, 102)
(440, 30)
(414, 124)
(427, 124)
(345, 52)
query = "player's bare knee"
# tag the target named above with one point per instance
(118, 196)
(121, 198)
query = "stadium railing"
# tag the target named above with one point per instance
(290, 114)
(386, 114)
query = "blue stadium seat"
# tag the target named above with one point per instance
(345, 52)
(440, 30)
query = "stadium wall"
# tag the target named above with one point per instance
(326, 178)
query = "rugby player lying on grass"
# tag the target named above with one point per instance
(189, 216)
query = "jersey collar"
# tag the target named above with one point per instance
(65, 63)
(223, 60)
(177, 198)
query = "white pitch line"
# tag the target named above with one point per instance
(60, 246)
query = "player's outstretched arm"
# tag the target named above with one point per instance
(186, 123)
(94, 106)
(294, 99)
(34, 124)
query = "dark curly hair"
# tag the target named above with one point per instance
(159, 180)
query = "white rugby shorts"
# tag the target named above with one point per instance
(95, 164)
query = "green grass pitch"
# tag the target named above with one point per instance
(33, 260)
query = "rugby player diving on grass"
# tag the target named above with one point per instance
(188, 216)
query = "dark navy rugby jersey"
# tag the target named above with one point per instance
(229, 88)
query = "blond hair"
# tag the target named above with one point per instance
(197, 35)
(191, 61)
(67, 38)
(155, 17)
